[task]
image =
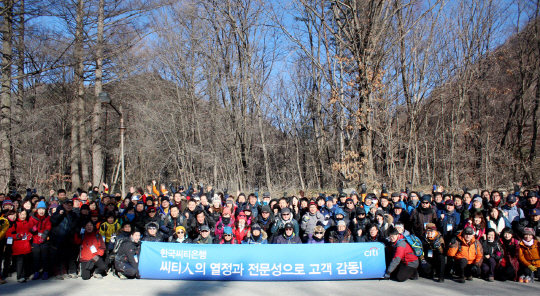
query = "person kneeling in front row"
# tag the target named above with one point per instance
(92, 248)
(127, 260)
(405, 263)
(467, 253)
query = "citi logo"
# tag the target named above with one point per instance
(372, 252)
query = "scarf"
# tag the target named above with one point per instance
(315, 238)
(226, 221)
(529, 243)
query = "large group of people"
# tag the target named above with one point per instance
(437, 235)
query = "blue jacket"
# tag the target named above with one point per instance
(327, 214)
(513, 214)
(411, 207)
(449, 224)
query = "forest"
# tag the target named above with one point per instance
(278, 95)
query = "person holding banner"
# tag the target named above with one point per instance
(126, 261)
(288, 237)
(405, 263)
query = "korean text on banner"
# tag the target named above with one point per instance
(308, 262)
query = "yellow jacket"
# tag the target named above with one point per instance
(3, 227)
(107, 230)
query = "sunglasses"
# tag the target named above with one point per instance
(227, 235)
(425, 202)
(286, 214)
(180, 232)
(152, 212)
(289, 229)
(204, 231)
(319, 232)
(152, 228)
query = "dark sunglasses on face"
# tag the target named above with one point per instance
(286, 214)
(226, 235)
(318, 233)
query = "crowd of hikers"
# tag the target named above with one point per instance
(437, 235)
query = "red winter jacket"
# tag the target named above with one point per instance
(20, 232)
(404, 254)
(87, 240)
(40, 226)
(240, 234)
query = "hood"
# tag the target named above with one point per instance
(462, 239)
(264, 235)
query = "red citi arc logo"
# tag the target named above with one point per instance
(372, 252)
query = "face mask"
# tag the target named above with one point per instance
(226, 221)
(265, 203)
(130, 216)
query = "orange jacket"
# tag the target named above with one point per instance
(529, 255)
(472, 251)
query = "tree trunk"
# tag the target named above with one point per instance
(78, 145)
(97, 155)
(17, 119)
(5, 108)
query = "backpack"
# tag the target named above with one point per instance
(415, 243)
(114, 252)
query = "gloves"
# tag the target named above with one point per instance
(34, 191)
(34, 229)
(96, 258)
(474, 269)
(2, 222)
(437, 244)
(533, 268)
(364, 189)
(423, 263)
(383, 188)
(516, 188)
(386, 276)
